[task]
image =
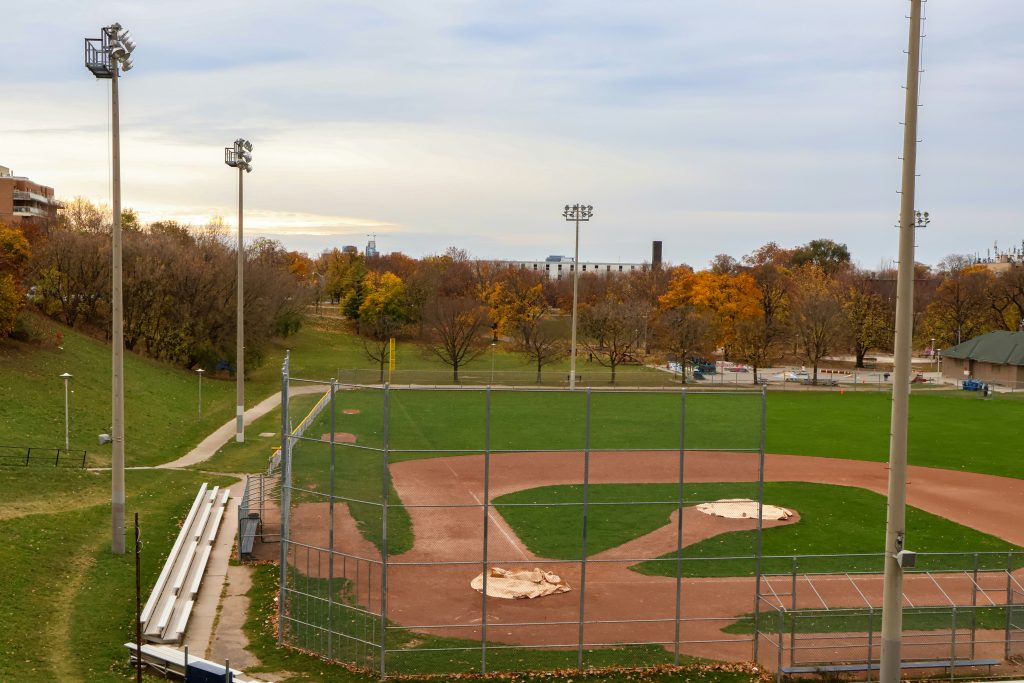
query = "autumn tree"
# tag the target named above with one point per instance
(14, 256)
(960, 309)
(455, 326)
(686, 332)
(828, 256)
(817, 315)
(730, 298)
(757, 336)
(1005, 294)
(382, 315)
(867, 320)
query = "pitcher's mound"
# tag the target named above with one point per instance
(742, 508)
(339, 437)
(520, 583)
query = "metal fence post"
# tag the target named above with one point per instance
(486, 506)
(286, 483)
(871, 639)
(952, 647)
(583, 553)
(385, 481)
(974, 606)
(760, 512)
(1009, 603)
(780, 614)
(679, 525)
(330, 531)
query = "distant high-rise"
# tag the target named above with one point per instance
(371, 247)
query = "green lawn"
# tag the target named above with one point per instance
(843, 520)
(860, 621)
(69, 604)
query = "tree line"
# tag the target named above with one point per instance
(805, 302)
(179, 285)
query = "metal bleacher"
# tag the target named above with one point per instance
(167, 611)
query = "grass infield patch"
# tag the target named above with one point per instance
(841, 519)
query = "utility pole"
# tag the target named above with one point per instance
(895, 527)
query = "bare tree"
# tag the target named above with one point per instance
(612, 332)
(542, 340)
(455, 325)
(685, 332)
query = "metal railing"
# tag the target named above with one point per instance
(34, 455)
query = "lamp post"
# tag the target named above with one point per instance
(575, 213)
(493, 345)
(105, 57)
(200, 371)
(67, 413)
(239, 156)
(895, 522)
(935, 355)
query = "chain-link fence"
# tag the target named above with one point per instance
(962, 613)
(408, 513)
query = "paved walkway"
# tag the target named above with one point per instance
(209, 446)
(210, 636)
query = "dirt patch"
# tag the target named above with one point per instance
(351, 411)
(339, 437)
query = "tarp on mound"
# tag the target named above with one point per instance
(742, 508)
(520, 583)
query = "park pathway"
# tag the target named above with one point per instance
(215, 627)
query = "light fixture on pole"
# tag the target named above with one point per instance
(494, 344)
(67, 412)
(239, 156)
(105, 57)
(575, 213)
(200, 371)
(896, 556)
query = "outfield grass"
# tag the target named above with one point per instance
(843, 520)
(69, 604)
(860, 621)
(947, 430)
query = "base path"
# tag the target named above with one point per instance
(437, 598)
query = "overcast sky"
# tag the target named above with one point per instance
(713, 126)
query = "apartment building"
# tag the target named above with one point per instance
(24, 203)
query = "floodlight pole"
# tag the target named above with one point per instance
(892, 597)
(575, 213)
(240, 334)
(117, 334)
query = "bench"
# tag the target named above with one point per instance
(579, 378)
(875, 666)
(247, 532)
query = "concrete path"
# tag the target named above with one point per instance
(215, 629)
(208, 446)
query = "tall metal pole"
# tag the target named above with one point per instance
(892, 597)
(575, 299)
(240, 334)
(117, 335)
(200, 371)
(67, 413)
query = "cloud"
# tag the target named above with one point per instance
(714, 127)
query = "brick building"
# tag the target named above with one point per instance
(24, 203)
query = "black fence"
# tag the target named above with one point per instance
(34, 455)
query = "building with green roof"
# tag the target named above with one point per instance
(996, 357)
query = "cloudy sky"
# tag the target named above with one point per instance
(713, 126)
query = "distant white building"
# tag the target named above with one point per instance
(557, 266)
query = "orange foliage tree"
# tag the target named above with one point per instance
(729, 297)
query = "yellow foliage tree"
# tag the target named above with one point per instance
(730, 297)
